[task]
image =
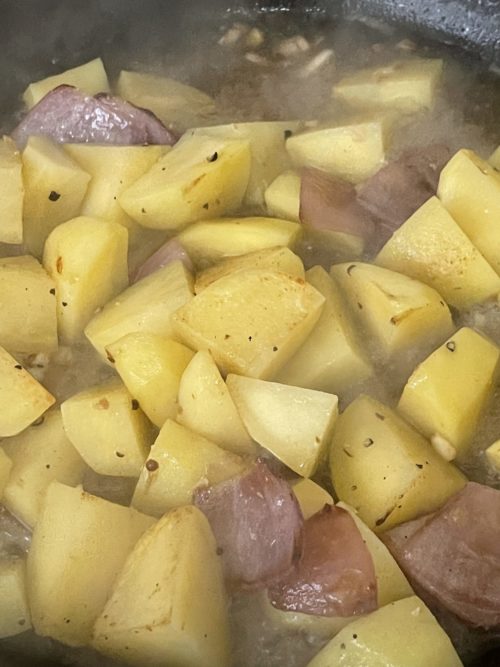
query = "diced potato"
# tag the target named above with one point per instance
(180, 461)
(267, 149)
(201, 177)
(177, 105)
(169, 606)
(108, 429)
(87, 259)
(55, 186)
(280, 259)
(493, 456)
(469, 189)
(213, 240)
(405, 85)
(401, 634)
(330, 359)
(11, 193)
(14, 610)
(40, 455)
(431, 247)
(251, 321)
(27, 301)
(79, 545)
(448, 391)
(311, 497)
(22, 398)
(146, 306)
(353, 151)
(282, 197)
(90, 77)
(206, 406)
(151, 367)
(293, 423)
(397, 312)
(5, 470)
(386, 470)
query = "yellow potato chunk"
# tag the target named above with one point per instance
(405, 85)
(201, 177)
(385, 469)
(151, 367)
(177, 105)
(448, 391)
(353, 151)
(179, 462)
(206, 406)
(251, 321)
(397, 312)
(401, 634)
(469, 189)
(87, 260)
(14, 609)
(5, 469)
(146, 306)
(40, 455)
(492, 454)
(431, 247)
(90, 77)
(293, 423)
(331, 359)
(55, 186)
(23, 399)
(311, 496)
(169, 605)
(28, 305)
(11, 193)
(213, 240)
(79, 545)
(108, 429)
(282, 196)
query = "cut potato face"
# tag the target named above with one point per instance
(282, 196)
(14, 609)
(311, 497)
(156, 614)
(11, 192)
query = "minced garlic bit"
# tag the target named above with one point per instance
(256, 58)
(292, 46)
(443, 447)
(255, 38)
(321, 59)
(234, 34)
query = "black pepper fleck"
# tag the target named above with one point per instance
(419, 465)
(135, 404)
(287, 134)
(275, 349)
(379, 416)
(350, 268)
(53, 290)
(368, 442)
(64, 303)
(120, 455)
(205, 206)
(451, 346)
(54, 196)
(213, 157)
(19, 367)
(152, 465)
(219, 551)
(347, 453)
(110, 357)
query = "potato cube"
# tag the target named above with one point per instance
(206, 406)
(177, 105)
(11, 193)
(405, 85)
(331, 359)
(201, 177)
(151, 367)
(79, 545)
(469, 189)
(55, 186)
(293, 423)
(90, 77)
(353, 151)
(22, 398)
(213, 240)
(401, 634)
(27, 301)
(267, 149)
(448, 391)
(108, 429)
(493, 456)
(311, 497)
(180, 461)
(40, 455)
(5, 470)
(282, 197)
(397, 312)
(431, 247)
(146, 306)
(386, 470)
(169, 606)
(14, 609)
(251, 321)
(87, 259)
(280, 259)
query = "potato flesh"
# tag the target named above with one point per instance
(492, 454)
(311, 497)
(168, 606)
(14, 609)
(5, 469)
(252, 321)
(11, 192)
(282, 196)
